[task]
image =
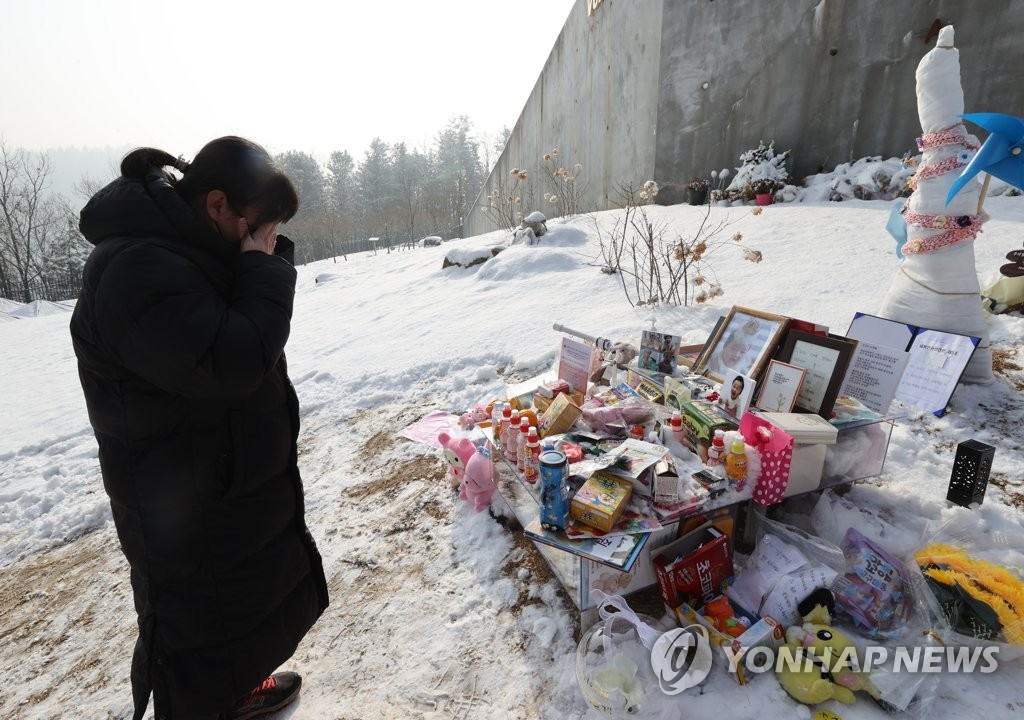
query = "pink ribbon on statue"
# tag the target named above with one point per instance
(942, 166)
(956, 135)
(958, 228)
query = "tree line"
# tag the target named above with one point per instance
(394, 193)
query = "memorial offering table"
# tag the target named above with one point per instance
(622, 564)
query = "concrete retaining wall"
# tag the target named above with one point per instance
(668, 89)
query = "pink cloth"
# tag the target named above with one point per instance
(427, 428)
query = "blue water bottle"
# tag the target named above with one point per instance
(554, 490)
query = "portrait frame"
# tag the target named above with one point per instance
(826, 358)
(742, 403)
(781, 383)
(761, 333)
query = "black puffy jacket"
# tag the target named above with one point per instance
(180, 342)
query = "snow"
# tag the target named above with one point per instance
(438, 612)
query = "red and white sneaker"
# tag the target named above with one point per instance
(276, 692)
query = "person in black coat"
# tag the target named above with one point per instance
(180, 332)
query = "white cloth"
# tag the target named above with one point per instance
(940, 290)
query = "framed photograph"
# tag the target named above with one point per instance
(702, 354)
(743, 343)
(825, 359)
(736, 393)
(780, 386)
(658, 352)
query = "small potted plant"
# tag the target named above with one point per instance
(764, 190)
(697, 191)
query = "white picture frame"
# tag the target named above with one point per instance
(780, 387)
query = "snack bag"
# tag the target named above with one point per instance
(875, 590)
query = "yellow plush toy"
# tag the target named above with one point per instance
(820, 657)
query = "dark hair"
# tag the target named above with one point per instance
(740, 378)
(243, 170)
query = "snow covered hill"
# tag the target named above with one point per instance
(438, 612)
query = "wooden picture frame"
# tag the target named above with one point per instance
(742, 344)
(780, 387)
(826, 359)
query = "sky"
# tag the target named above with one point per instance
(301, 75)
(436, 611)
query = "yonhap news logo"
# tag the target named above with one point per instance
(905, 659)
(681, 658)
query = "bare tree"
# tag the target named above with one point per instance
(30, 220)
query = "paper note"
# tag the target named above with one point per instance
(874, 375)
(782, 601)
(820, 363)
(574, 363)
(937, 359)
(771, 560)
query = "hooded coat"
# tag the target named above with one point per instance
(180, 344)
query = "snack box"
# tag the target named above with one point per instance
(601, 500)
(644, 386)
(560, 415)
(763, 632)
(694, 567)
(700, 420)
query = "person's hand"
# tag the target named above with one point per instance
(263, 240)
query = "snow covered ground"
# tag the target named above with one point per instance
(437, 612)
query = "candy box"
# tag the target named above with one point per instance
(694, 567)
(601, 500)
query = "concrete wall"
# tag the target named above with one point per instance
(623, 91)
(596, 101)
(831, 79)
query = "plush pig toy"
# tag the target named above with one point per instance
(480, 481)
(457, 451)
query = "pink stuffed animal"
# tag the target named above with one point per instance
(481, 480)
(457, 451)
(473, 417)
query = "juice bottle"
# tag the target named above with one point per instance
(501, 430)
(524, 431)
(531, 456)
(736, 464)
(510, 435)
(717, 448)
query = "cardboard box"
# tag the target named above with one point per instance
(601, 500)
(700, 420)
(763, 632)
(811, 434)
(694, 567)
(561, 414)
(806, 468)
(645, 387)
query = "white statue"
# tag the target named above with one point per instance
(937, 283)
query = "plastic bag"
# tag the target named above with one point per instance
(875, 589)
(614, 661)
(785, 567)
(616, 419)
(972, 584)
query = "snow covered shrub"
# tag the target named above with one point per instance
(655, 268)
(760, 165)
(870, 178)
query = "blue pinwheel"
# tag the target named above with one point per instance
(1001, 156)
